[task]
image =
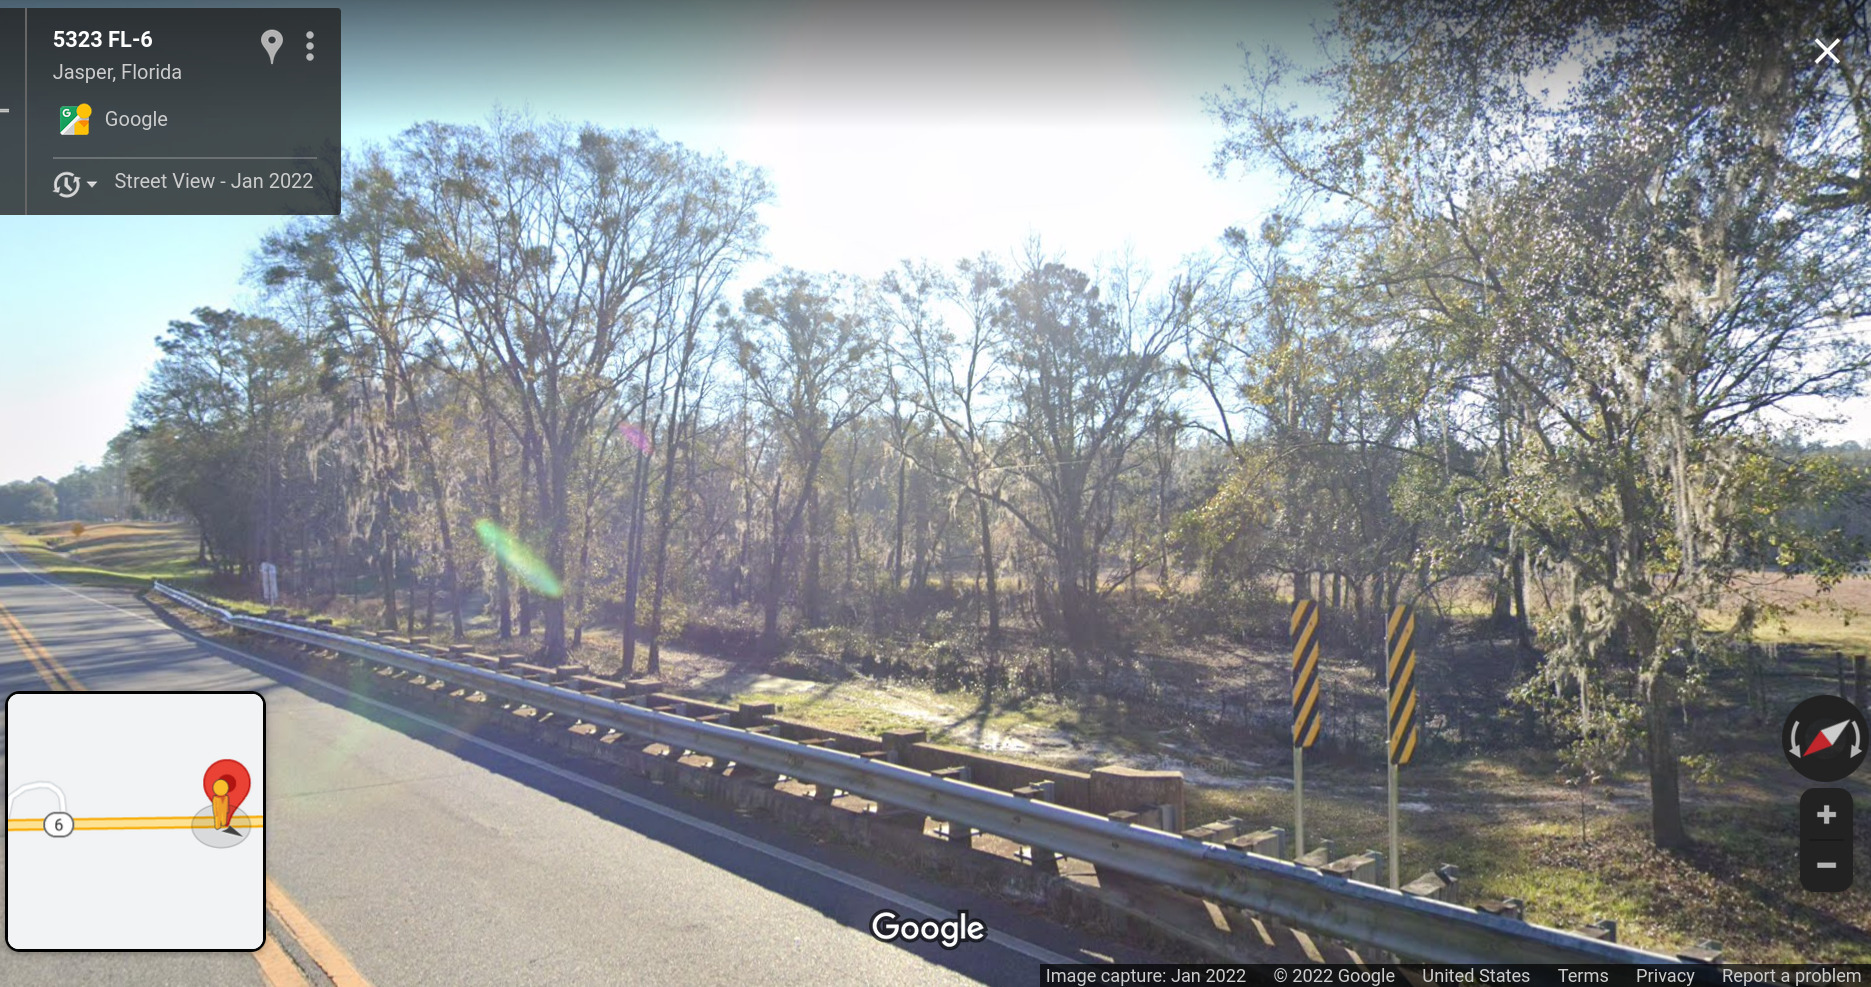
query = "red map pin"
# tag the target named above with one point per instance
(232, 772)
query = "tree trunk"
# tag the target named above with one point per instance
(1666, 809)
(770, 607)
(813, 603)
(896, 548)
(1076, 612)
(633, 561)
(665, 514)
(503, 596)
(552, 502)
(776, 564)
(386, 567)
(990, 582)
(1502, 610)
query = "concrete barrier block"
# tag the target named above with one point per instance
(1148, 816)
(1113, 788)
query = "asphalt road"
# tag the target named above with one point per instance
(401, 851)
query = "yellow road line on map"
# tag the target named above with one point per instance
(54, 674)
(124, 822)
(313, 939)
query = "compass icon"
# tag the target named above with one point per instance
(1824, 738)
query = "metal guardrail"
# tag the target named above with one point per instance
(1418, 929)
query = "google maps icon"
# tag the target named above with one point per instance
(74, 121)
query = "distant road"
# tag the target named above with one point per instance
(401, 851)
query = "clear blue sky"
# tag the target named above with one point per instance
(890, 130)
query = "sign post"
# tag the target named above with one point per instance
(1305, 633)
(1400, 678)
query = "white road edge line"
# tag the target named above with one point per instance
(875, 890)
(7, 552)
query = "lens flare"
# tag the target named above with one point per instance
(519, 560)
(635, 436)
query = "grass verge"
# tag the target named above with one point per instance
(126, 554)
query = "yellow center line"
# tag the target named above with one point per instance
(32, 656)
(277, 968)
(313, 939)
(54, 674)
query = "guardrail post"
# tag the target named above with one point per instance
(1603, 930)
(1040, 857)
(1436, 884)
(899, 743)
(753, 714)
(1216, 832)
(1317, 857)
(1109, 877)
(1512, 908)
(1266, 842)
(1361, 867)
(959, 833)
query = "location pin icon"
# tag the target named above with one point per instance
(270, 41)
(235, 785)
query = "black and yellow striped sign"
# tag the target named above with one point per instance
(1305, 632)
(1400, 645)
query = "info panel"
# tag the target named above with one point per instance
(178, 111)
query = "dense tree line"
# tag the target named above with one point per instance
(1496, 337)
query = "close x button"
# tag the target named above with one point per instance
(1826, 839)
